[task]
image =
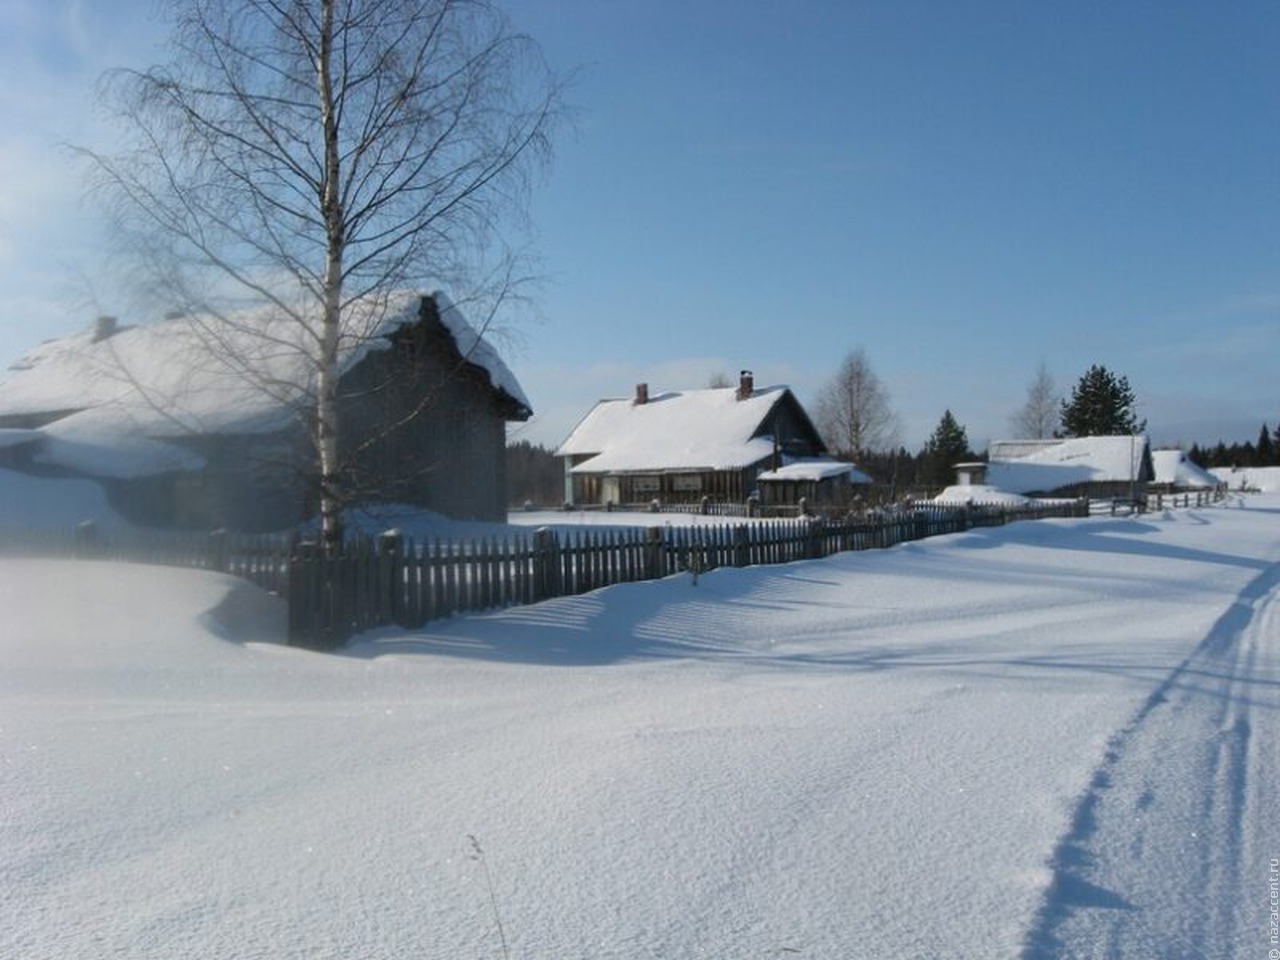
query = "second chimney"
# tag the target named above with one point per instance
(642, 394)
(746, 385)
(103, 327)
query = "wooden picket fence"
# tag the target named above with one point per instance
(392, 580)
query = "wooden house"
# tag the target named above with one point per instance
(201, 422)
(723, 444)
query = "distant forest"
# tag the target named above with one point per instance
(534, 475)
(1263, 453)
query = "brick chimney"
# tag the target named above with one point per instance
(746, 385)
(103, 327)
(642, 394)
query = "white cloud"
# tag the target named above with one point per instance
(75, 28)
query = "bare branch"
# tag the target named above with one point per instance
(314, 156)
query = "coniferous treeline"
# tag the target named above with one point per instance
(534, 475)
(1265, 452)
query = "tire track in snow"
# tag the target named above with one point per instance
(1166, 848)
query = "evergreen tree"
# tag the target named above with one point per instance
(1265, 450)
(1101, 405)
(1197, 456)
(948, 446)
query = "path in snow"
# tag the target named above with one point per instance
(1168, 851)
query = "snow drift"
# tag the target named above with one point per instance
(1047, 739)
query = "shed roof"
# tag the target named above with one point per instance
(814, 470)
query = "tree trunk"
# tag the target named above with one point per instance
(327, 426)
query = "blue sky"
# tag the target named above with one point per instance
(964, 190)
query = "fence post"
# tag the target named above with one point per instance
(654, 568)
(307, 614)
(391, 577)
(813, 531)
(546, 564)
(86, 539)
(741, 546)
(218, 550)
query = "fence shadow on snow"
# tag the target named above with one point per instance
(393, 580)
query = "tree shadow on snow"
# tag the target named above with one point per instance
(1120, 536)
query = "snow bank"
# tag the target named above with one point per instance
(1041, 740)
(1265, 479)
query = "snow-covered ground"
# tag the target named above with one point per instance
(1266, 479)
(1052, 739)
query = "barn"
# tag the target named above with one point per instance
(201, 422)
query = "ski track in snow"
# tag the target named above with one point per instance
(1168, 849)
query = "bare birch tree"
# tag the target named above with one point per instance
(313, 157)
(853, 411)
(1038, 418)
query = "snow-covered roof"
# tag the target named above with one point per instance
(475, 349)
(682, 430)
(120, 397)
(1173, 467)
(813, 470)
(979, 493)
(1053, 464)
(1018, 449)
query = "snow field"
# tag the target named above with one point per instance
(974, 746)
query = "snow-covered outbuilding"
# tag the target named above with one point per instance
(722, 443)
(1173, 471)
(1262, 479)
(201, 421)
(1074, 467)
